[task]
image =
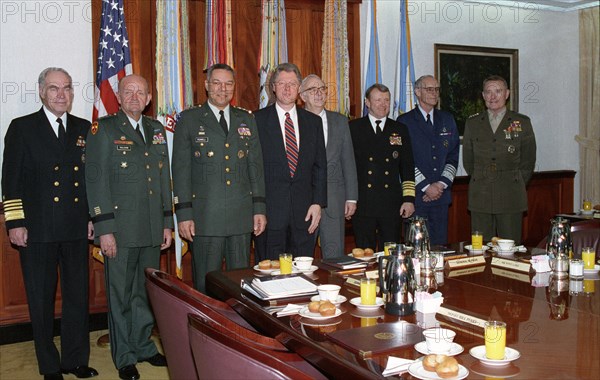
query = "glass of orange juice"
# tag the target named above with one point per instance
(476, 240)
(387, 246)
(285, 263)
(366, 322)
(588, 255)
(587, 205)
(495, 339)
(368, 291)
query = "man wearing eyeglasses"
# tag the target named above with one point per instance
(436, 143)
(342, 186)
(295, 169)
(499, 153)
(218, 179)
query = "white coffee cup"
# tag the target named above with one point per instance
(328, 292)
(506, 244)
(303, 262)
(439, 340)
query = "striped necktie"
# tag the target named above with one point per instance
(291, 146)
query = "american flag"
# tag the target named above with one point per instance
(114, 60)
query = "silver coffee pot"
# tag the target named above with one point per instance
(559, 238)
(417, 235)
(397, 282)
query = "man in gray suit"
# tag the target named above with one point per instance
(342, 185)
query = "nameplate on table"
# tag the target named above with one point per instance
(511, 264)
(510, 274)
(353, 281)
(372, 274)
(461, 316)
(466, 271)
(466, 262)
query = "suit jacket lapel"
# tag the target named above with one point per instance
(46, 131)
(274, 131)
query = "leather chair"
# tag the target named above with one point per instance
(172, 300)
(583, 234)
(220, 354)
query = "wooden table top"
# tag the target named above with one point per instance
(556, 331)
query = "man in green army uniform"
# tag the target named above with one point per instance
(499, 155)
(129, 196)
(218, 180)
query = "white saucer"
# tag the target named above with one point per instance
(304, 312)
(365, 258)
(509, 251)
(356, 302)
(417, 370)
(455, 349)
(308, 271)
(470, 248)
(586, 212)
(278, 272)
(340, 299)
(265, 271)
(592, 271)
(510, 354)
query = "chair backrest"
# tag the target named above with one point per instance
(329, 363)
(219, 354)
(585, 233)
(172, 300)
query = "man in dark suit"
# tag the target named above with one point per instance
(386, 172)
(434, 136)
(45, 206)
(218, 178)
(129, 193)
(342, 186)
(499, 153)
(295, 170)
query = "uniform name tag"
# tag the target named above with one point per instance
(201, 139)
(123, 148)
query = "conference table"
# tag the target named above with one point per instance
(553, 323)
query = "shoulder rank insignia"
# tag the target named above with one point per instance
(94, 128)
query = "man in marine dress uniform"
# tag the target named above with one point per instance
(295, 170)
(342, 186)
(385, 170)
(434, 136)
(43, 185)
(499, 154)
(218, 178)
(129, 193)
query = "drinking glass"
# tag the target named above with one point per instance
(368, 291)
(285, 263)
(588, 255)
(495, 339)
(476, 240)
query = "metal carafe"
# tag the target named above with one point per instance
(417, 235)
(397, 282)
(559, 238)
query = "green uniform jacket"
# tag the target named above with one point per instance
(128, 183)
(218, 180)
(500, 164)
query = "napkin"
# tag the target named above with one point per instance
(290, 309)
(540, 263)
(396, 365)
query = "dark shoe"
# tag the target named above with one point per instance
(82, 371)
(129, 372)
(53, 376)
(157, 360)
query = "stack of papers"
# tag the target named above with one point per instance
(273, 287)
(345, 262)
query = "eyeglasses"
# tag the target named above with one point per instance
(431, 90)
(217, 83)
(287, 84)
(314, 90)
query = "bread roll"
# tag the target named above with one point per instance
(448, 368)
(327, 309)
(495, 240)
(265, 264)
(369, 252)
(358, 252)
(275, 264)
(313, 307)
(430, 362)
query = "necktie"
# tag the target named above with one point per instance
(378, 127)
(62, 134)
(139, 131)
(291, 146)
(223, 122)
(429, 123)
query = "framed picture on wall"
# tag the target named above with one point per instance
(461, 70)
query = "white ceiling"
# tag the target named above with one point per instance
(549, 5)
